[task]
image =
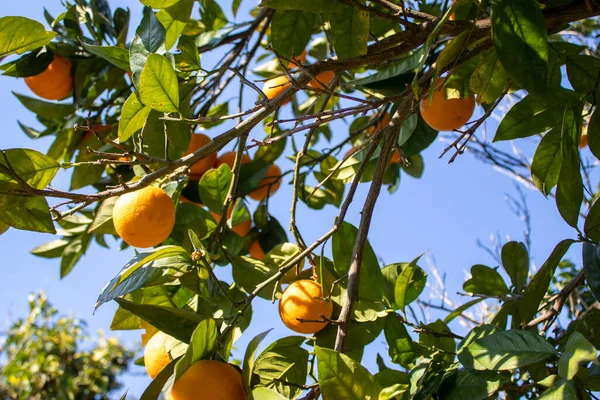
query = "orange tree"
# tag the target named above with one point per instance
(129, 128)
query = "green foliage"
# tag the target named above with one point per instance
(43, 358)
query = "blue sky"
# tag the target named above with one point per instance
(443, 214)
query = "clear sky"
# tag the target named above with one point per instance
(444, 214)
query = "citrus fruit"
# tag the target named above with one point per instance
(144, 218)
(324, 78)
(396, 157)
(383, 121)
(55, 82)
(583, 141)
(209, 380)
(302, 300)
(229, 158)
(275, 86)
(268, 185)
(241, 229)
(301, 59)
(155, 354)
(444, 114)
(256, 251)
(198, 169)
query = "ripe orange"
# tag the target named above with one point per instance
(396, 157)
(256, 251)
(155, 354)
(241, 229)
(209, 380)
(144, 218)
(444, 114)
(452, 16)
(183, 199)
(583, 141)
(301, 59)
(229, 157)
(324, 78)
(384, 120)
(55, 83)
(268, 185)
(275, 86)
(198, 169)
(302, 300)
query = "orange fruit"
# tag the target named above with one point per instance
(268, 185)
(229, 158)
(275, 86)
(583, 141)
(396, 158)
(183, 199)
(241, 229)
(324, 78)
(301, 59)
(155, 354)
(144, 218)
(209, 380)
(384, 120)
(130, 75)
(55, 83)
(256, 251)
(444, 114)
(302, 300)
(198, 141)
(452, 16)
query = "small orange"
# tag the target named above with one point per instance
(268, 185)
(275, 86)
(302, 300)
(380, 124)
(444, 114)
(241, 229)
(301, 59)
(452, 16)
(209, 380)
(229, 158)
(55, 83)
(256, 251)
(324, 78)
(155, 354)
(198, 141)
(183, 199)
(396, 158)
(583, 141)
(144, 218)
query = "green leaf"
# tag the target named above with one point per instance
(159, 3)
(117, 56)
(408, 128)
(489, 78)
(485, 280)
(155, 388)
(314, 6)
(561, 390)
(103, 222)
(422, 138)
(281, 254)
(263, 393)
(406, 64)
(202, 344)
(340, 377)
(472, 385)
(451, 51)
(401, 348)
(249, 273)
(591, 268)
(158, 133)
(578, 351)
(27, 213)
(521, 41)
(459, 310)
(133, 117)
(212, 15)
(583, 72)
(349, 32)
(476, 333)
(409, 285)
(33, 167)
(175, 19)
(214, 186)
(149, 38)
(249, 362)
(390, 275)
(45, 109)
(31, 64)
(538, 286)
(189, 59)
(569, 190)
(436, 336)
(507, 350)
(51, 249)
(547, 161)
(174, 322)
(158, 85)
(515, 261)
(291, 31)
(593, 132)
(370, 287)
(20, 34)
(72, 253)
(283, 366)
(592, 223)
(394, 383)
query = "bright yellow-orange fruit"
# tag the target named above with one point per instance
(268, 185)
(301, 59)
(144, 218)
(256, 251)
(155, 354)
(384, 120)
(209, 380)
(197, 141)
(583, 141)
(241, 229)
(55, 83)
(324, 78)
(229, 158)
(275, 86)
(444, 114)
(302, 300)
